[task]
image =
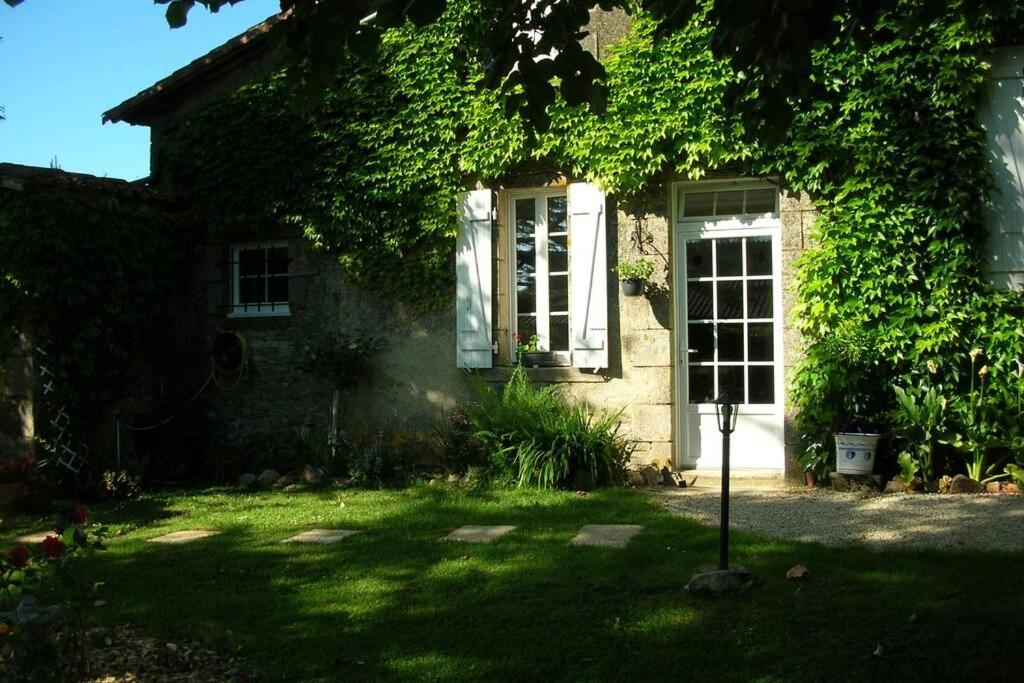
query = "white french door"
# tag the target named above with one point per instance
(728, 306)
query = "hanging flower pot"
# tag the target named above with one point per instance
(633, 275)
(633, 286)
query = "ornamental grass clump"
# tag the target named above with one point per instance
(536, 437)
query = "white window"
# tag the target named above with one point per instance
(259, 279)
(541, 256)
(558, 278)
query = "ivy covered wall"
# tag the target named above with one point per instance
(889, 147)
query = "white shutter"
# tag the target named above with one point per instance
(588, 275)
(474, 336)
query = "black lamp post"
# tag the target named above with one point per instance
(725, 413)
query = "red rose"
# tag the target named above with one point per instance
(80, 514)
(18, 556)
(53, 547)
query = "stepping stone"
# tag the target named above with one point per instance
(179, 537)
(478, 534)
(321, 536)
(34, 539)
(607, 535)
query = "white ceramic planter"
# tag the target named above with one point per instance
(855, 453)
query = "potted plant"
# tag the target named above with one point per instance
(528, 351)
(855, 450)
(634, 274)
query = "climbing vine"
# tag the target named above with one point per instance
(887, 144)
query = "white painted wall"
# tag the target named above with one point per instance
(1002, 115)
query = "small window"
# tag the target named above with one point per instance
(726, 203)
(259, 280)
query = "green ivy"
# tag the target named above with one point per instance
(91, 279)
(888, 145)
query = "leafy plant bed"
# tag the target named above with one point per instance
(395, 603)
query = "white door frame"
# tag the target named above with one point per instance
(717, 227)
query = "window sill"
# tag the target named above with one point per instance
(543, 375)
(278, 313)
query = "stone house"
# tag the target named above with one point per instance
(535, 257)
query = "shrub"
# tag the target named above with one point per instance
(120, 486)
(536, 437)
(381, 461)
(457, 445)
(315, 448)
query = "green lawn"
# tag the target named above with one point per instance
(394, 603)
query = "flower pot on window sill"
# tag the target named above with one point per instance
(633, 286)
(537, 359)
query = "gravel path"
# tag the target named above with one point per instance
(982, 522)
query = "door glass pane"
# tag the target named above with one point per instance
(559, 333)
(698, 204)
(759, 298)
(730, 380)
(730, 341)
(698, 258)
(761, 201)
(729, 203)
(700, 342)
(730, 257)
(762, 384)
(698, 301)
(558, 253)
(557, 214)
(558, 292)
(759, 256)
(702, 384)
(730, 300)
(760, 346)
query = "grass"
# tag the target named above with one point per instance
(395, 604)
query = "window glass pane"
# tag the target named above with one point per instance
(698, 301)
(730, 380)
(526, 326)
(730, 300)
(526, 217)
(730, 257)
(730, 341)
(526, 297)
(702, 384)
(559, 333)
(277, 289)
(250, 261)
(250, 290)
(729, 203)
(759, 256)
(558, 253)
(759, 298)
(698, 204)
(762, 384)
(558, 293)
(700, 342)
(761, 201)
(557, 215)
(760, 338)
(278, 260)
(698, 258)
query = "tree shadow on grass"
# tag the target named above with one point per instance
(395, 603)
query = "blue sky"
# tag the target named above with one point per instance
(64, 62)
